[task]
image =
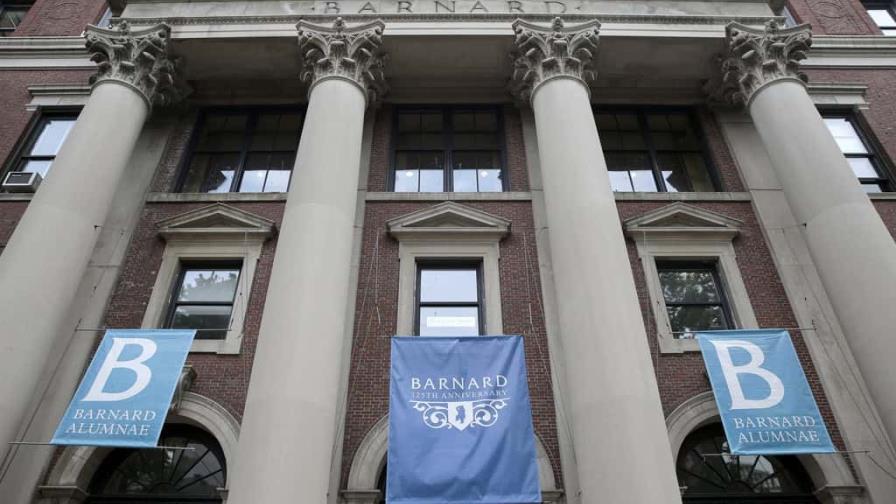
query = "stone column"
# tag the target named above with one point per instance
(47, 255)
(621, 445)
(852, 249)
(289, 426)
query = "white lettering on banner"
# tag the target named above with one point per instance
(112, 362)
(731, 372)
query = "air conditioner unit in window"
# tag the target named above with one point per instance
(21, 181)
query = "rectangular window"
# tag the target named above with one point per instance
(44, 143)
(653, 150)
(861, 156)
(11, 14)
(448, 149)
(884, 16)
(694, 296)
(449, 299)
(243, 151)
(203, 298)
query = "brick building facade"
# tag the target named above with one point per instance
(217, 156)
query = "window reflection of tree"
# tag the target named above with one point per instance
(709, 478)
(693, 297)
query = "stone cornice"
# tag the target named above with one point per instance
(757, 57)
(139, 59)
(543, 53)
(353, 54)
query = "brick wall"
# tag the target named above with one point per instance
(376, 314)
(224, 378)
(60, 17)
(682, 376)
(833, 17)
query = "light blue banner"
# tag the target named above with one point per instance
(460, 422)
(765, 402)
(125, 394)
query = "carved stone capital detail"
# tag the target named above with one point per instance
(352, 53)
(542, 53)
(139, 59)
(756, 57)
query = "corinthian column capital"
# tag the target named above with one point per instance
(139, 59)
(354, 54)
(543, 53)
(756, 57)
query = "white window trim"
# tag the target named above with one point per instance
(217, 232)
(449, 231)
(685, 232)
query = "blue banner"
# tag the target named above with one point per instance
(460, 422)
(765, 402)
(125, 394)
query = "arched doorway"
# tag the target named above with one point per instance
(128, 476)
(708, 478)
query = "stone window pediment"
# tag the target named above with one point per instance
(218, 221)
(448, 221)
(683, 232)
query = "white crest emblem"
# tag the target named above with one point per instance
(460, 415)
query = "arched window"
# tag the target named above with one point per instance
(151, 476)
(710, 478)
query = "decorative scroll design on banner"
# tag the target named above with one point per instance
(354, 54)
(756, 57)
(543, 53)
(460, 415)
(139, 59)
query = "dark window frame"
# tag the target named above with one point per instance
(448, 141)
(889, 6)
(253, 112)
(29, 137)
(642, 111)
(711, 265)
(475, 263)
(875, 155)
(196, 264)
(21, 4)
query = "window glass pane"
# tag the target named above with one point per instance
(862, 167)
(475, 141)
(689, 286)
(617, 161)
(220, 172)
(278, 181)
(51, 136)
(448, 285)
(208, 285)
(464, 180)
(872, 188)
(11, 17)
(202, 317)
(685, 171)
(253, 181)
(672, 132)
(620, 181)
(407, 180)
(695, 318)
(845, 135)
(490, 181)
(449, 321)
(882, 17)
(42, 167)
(223, 132)
(432, 181)
(643, 181)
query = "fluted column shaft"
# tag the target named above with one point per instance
(852, 249)
(289, 426)
(621, 445)
(47, 255)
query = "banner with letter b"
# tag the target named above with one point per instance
(460, 422)
(126, 391)
(765, 402)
